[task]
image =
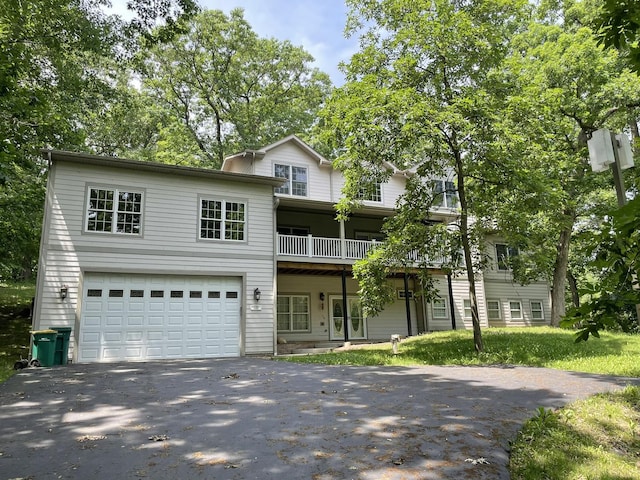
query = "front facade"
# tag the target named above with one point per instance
(317, 298)
(149, 261)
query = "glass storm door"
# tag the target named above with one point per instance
(355, 320)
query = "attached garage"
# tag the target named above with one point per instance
(129, 317)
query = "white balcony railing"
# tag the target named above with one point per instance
(328, 248)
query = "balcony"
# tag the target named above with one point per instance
(333, 250)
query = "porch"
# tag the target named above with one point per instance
(311, 248)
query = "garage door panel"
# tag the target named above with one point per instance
(140, 317)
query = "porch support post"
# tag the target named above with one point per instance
(343, 242)
(407, 304)
(345, 315)
(452, 302)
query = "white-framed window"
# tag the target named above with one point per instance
(537, 312)
(503, 254)
(293, 313)
(515, 309)
(493, 310)
(297, 179)
(466, 312)
(439, 308)
(114, 210)
(222, 220)
(445, 194)
(371, 191)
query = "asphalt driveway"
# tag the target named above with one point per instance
(255, 418)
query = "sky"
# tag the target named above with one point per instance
(315, 25)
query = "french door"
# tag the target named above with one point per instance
(356, 323)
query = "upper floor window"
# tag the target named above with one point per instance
(297, 180)
(222, 220)
(503, 255)
(371, 192)
(445, 194)
(112, 210)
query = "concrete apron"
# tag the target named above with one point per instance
(253, 418)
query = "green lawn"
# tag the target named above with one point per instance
(613, 353)
(597, 438)
(14, 325)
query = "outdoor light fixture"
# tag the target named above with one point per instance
(322, 296)
(256, 294)
(64, 290)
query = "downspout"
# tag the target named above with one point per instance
(407, 304)
(452, 302)
(276, 203)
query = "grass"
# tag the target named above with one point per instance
(15, 299)
(612, 354)
(597, 438)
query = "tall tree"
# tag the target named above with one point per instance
(557, 86)
(231, 89)
(416, 94)
(56, 69)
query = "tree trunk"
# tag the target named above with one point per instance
(468, 258)
(560, 268)
(573, 287)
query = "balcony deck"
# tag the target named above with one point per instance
(327, 250)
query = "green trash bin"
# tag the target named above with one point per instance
(44, 346)
(61, 354)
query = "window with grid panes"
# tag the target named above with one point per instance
(293, 313)
(467, 308)
(445, 194)
(537, 313)
(111, 210)
(439, 308)
(222, 220)
(296, 183)
(515, 310)
(493, 309)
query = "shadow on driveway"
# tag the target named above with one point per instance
(256, 418)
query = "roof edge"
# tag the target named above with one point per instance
(106, 161)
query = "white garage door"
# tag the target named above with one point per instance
(143, 317)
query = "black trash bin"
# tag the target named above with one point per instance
(61, 354)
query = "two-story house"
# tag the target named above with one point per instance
(151, 261)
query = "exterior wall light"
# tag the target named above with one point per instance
(256, 294)
(322, 296)
(64, 291)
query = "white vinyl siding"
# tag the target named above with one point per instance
(171, 243)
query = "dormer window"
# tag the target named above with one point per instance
(504, 254)
(445, 194)
(297, 179)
